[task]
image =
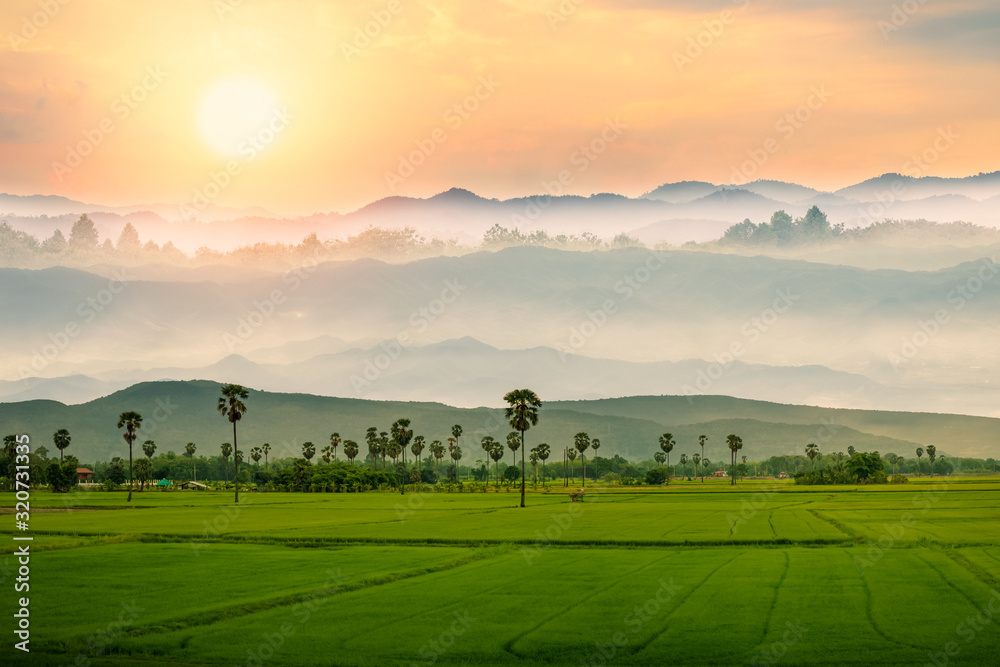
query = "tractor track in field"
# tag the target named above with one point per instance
(774, 600)
(870, 615)
(509, 645)
(632, 650)
(975, 605)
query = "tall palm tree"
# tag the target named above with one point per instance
(350, 450)
(851, 450)
(812, 451)
(667, 444)
(61, 440)
(334, 443)
(684, 459)
(513, 444)
(149, 448)
(437, 449)
(308, 451)
(701, 442)
(660, 457)
(227, 449)
(496, 453)
(232, 407)
(255, 454)
(383, 446)
(402, 434)
(522, 412)
(456, 432)
(326, 454)
(582, 442)
(371, 438)
(571, 455)
(595, 444)
(543, 454)
(735, 443)
(189, 450)
(417, 448)
(266, 448)
(931, 455)
(534, 464)
(456, 456)
(920, 453)
(696, 459)
(131, 422)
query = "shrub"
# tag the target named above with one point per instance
(900, 479)
(656, 476)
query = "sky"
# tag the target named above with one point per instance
(301, 106)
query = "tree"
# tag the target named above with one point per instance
(417, 448)
(149, 448)
(735, 443)
(522, 412)
(55, 243)
(571, 454)
(226, 449)
(851, 450)
(492, 447)
(308, 451)
(684, 460)
(61, 440)
(334, 443)
(189, 451)
(327, 453)
(543, 454)
(232, 407)
(84, 234)
(534, 464)
(374, 448)
(701, 442)
(581, 441)
(402, 434)
(812, 451)
(513, 444)
(920, 453)
(667, 444)
(696, 459)
(595, 444)
(660, 457)
(143, 472)
(255, 454)
(437, 449)
(266, 448)
(350, 450)
(456, 432)
(129, 241)
(931, 455)
(131, 422)
(456, 456)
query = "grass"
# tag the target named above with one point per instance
(694, 574)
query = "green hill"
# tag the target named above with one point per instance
(180, 412)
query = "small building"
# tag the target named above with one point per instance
(721, 473)
(85, 474)
(164, 483)
(193, 486)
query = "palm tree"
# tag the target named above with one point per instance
(496, 453)
(920, 453)
(334, 443)
(232, 407)
(417, 448)
(812, 451)
(456, 432)
(659, 457)
(149, 448)
(308, 451)
(701, 442)
(513, 444)
(696, 459)
(326, 454)
(931, 455)
(131, 422)
(456, 456)
(704, 465)
(522, 412)
(350, 450)
(534, 464)
(571, 454)
(383, 446)
(543, 454)
(582, 442)
(227, 449)
(371, 438)
(735, 443)
(684, 459)
(667, 444)
(437, 449)
(851, 450)
(595, 444)
(61, 440)
(402, 434)
(189, 450)
(255, 454)
(266, 448)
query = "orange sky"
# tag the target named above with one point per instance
(555, 72)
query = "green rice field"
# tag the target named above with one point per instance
(693, 574)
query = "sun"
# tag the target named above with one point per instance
(234, 112)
